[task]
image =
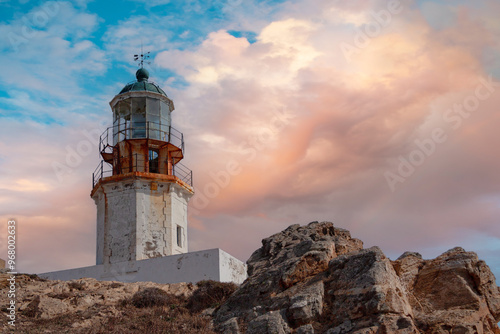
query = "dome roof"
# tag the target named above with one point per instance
(142, 84)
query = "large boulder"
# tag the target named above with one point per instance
(364, 291)
(317, 279)
(454, 292)
(286, 259)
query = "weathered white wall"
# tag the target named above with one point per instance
(214, 264)
(137, 219)
(176, 201)
(231, 269)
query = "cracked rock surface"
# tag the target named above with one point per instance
(317, 279)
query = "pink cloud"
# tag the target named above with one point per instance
(348, 124)
(310, 135)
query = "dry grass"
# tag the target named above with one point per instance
(152, 297)
(210, 294)
(166, 319)
(150, 310)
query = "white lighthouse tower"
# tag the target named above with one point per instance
(140, 188)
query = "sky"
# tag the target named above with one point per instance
(380, 116)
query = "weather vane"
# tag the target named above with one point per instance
(142, 58)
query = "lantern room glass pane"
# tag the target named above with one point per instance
(153, 107)
(139, 117)
(122, 119)
(154, 119)
(164, 128)
(165, 110)
(165, 121)
(123, 108)
(154, 130)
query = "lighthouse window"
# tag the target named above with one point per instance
(153, 161)
(179, 236)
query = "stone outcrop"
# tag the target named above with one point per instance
(317, 279)
(456, 291)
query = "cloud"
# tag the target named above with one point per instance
(347, 124)
(54, 212)
(45, 112)
(282, 129)
(47, 50)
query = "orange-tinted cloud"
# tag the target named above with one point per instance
(346, 123)
(288, 130)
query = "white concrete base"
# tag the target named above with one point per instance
(213, 264)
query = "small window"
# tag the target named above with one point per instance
(153, 161)
(179, 236)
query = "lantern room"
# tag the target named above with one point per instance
(142, 138)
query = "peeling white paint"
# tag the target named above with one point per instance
(137, 221)
(213, 264)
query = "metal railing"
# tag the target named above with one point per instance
(137, 163)
(140, 130)
(100, 172)
(183, 173)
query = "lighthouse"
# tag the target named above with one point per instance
(141, 188)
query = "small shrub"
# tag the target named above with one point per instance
(32, 310)
(210, 294)
(151, 297)
(125, 302)
(76, 285)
